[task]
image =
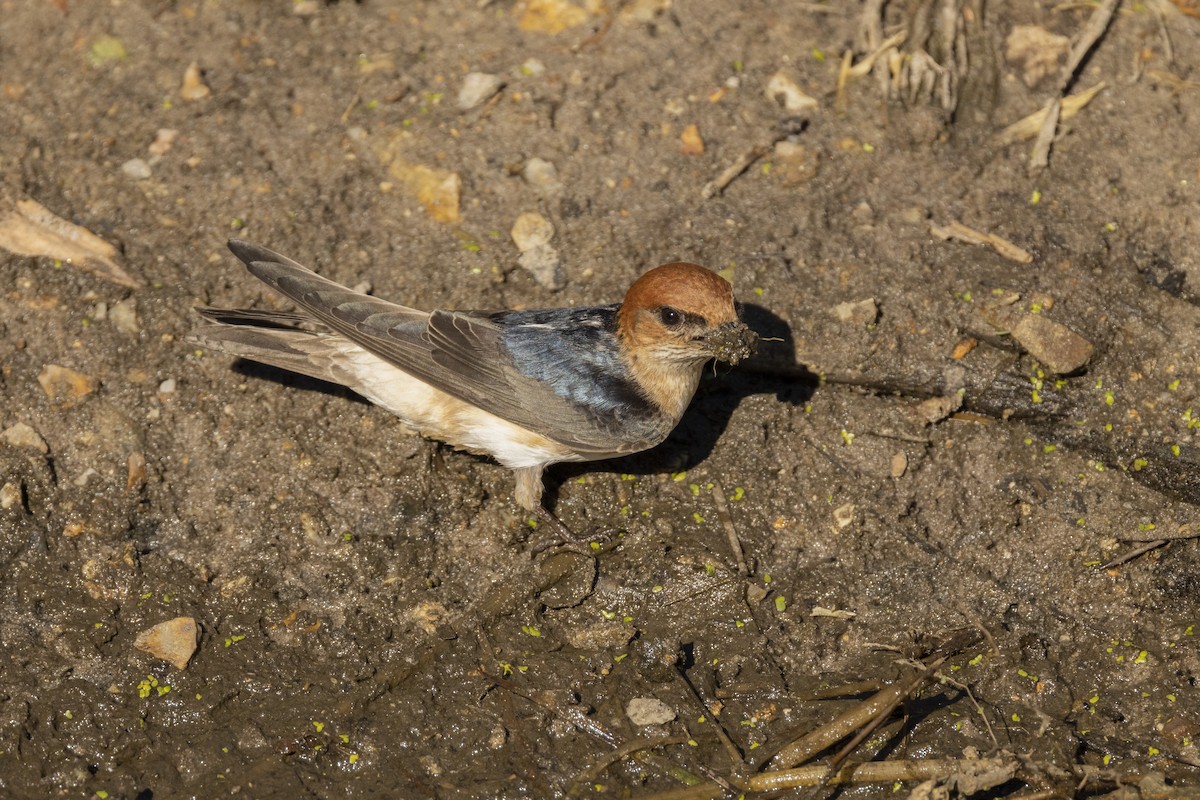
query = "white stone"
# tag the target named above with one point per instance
(136, 168)
(649, 711)
(477, 87)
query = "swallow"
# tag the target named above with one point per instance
(528, 388)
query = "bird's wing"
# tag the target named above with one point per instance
(256, 318)
(460, 353)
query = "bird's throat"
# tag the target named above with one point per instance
(668, 384)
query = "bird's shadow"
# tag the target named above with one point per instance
(253, 369)
(693, 440)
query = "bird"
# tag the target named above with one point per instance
(529, 388)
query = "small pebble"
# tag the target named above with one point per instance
(22, 435)
(782, 88)
(82, 479)
(638, 12)
(545, 265)
(10, 495)
(1060, 349)
(136, 168)
(497, 737)
(649, 711)
(1036, 52)
(532, 230)
(963, 347)
(542, 175)
(135, 477)
(123, 316)
(860, 312)
(936, 409)
(477, 88)
(173, 641)
(532, 234)
(863, 212)
(599, 635)
(533, 67)
(690, 141)
(552, 16)
(167, 386)
(438, 190)
(164, 140)
(65, 387)
(194, 87)
(795, 163)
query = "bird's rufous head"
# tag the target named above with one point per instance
(684, 313)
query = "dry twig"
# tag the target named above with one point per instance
(874, 772)
(961, 233)
(870, 712)
(735, 755)
(627, 750)
(1039, 156)
(1134, 553)
(735, 543)
(788, 127)
(1095, 27)
(740, 165)
(1055, 109)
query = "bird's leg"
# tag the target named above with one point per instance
(528, 491)
(529, 496)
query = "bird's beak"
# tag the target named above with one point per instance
(731, 342)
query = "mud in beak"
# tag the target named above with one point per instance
(732, 342)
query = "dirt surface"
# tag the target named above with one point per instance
(371, 619)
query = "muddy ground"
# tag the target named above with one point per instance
(371, 619)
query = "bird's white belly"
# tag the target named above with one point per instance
(437, 415)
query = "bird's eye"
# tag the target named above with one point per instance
(670, 317)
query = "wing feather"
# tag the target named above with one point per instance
(461, 353)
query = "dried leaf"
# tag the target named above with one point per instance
(28, 228)
(1029, 127)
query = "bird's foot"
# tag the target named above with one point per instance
(559, 533)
